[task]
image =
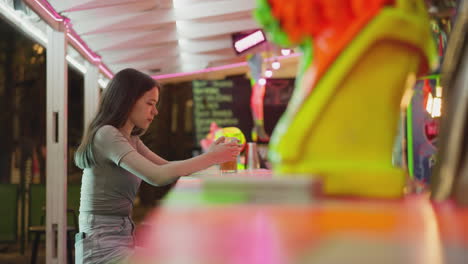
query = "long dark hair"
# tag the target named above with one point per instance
(117, 102)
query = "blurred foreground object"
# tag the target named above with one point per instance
(342, 119)
(450, 176)
(255, 63)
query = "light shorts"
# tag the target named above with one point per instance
(104, 239)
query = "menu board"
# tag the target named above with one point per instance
(225, 102)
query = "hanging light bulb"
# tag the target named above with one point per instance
(276, 64)
(262, 81)
(285, 52)
(268, 73)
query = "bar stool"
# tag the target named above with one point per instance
(39, 230)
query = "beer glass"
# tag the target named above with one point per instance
(229, 166)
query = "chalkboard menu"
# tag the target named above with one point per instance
(226, 102)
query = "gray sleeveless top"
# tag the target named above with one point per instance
(106, 188)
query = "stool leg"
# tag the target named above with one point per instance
(37, 239)
(69, 248)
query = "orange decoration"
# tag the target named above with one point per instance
(331, 24)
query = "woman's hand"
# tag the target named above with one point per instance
(222, 151)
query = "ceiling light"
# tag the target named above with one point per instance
(285, 52)
(262, 81)
(244, 42)
(276, 64)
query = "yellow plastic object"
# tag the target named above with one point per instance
(342, 126)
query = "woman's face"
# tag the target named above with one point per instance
(145, 109)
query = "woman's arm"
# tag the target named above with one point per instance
(165, 174)
(112, 145)
(147, 153)
(158, 160)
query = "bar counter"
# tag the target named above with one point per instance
(204, 221)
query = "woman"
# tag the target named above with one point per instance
(114, 161)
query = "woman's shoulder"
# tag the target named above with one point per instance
(109, 133)
(106, 130)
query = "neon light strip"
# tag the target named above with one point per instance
(284, 56)
(23, 25)
(409, 139)
(74, 37)
(212, 69)
(49, 10)
(180, 74)
(106, 71)
(37, 35)
(95, 58)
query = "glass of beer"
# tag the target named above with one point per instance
(229, 166)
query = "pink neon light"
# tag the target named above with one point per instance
(219, 68)
(49, 10)
(106, 71)
(74, 36)
(78, 41)
(292, 55)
